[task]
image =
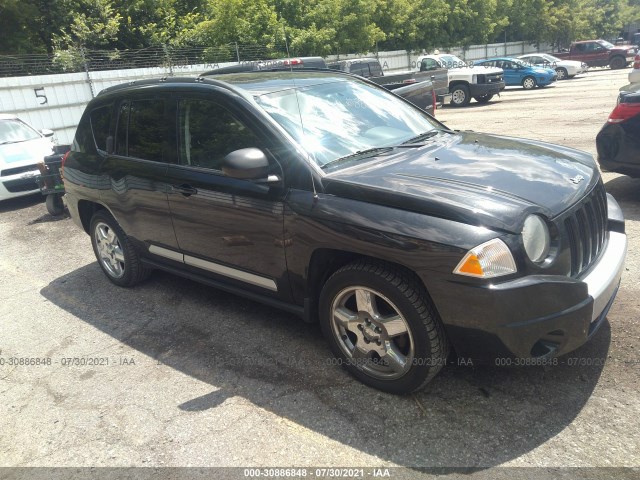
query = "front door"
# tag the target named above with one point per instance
(225, 227)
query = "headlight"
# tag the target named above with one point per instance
(536, 238)
(489, 260)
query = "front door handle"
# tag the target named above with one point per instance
(184, 189)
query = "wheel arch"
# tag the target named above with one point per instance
(455, 83)
(86, 210)
(324, 262)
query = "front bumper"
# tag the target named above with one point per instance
(481, 89)
(19, 184)
(537, 316)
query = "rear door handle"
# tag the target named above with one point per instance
(184, 189)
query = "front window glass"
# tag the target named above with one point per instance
(208, 132)
(337, 119)
(14, 131)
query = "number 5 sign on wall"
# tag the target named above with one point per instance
(42, 98)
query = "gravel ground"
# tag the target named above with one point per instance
(173, 373)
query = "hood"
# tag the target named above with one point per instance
(25, 153)
(475, 70)
(478, 179)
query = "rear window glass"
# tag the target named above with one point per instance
(147, 129)
(142, 129)
(100, 124)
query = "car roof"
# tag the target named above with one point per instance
(498, 58)
(248, 83)
(260, 83)
(8, 116)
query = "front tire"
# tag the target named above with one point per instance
(617, 63)
(54, 203)
(116, 256)
(382, 326)
(460, 95)
(529, 83)
(483, 98)
(562, 73)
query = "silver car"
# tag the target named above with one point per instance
(564, 68)
(22, 148)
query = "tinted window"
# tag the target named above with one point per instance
(121, 133)
(361, 69)
(376, 70)
(208, 132)
(147, 129)
(100, 123)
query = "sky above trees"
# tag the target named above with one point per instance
(313, 27)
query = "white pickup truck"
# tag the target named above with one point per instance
(465, 81)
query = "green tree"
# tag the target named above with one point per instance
(19, 27)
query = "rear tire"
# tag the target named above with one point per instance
(55, 205)
(382, 327)
(116, 255)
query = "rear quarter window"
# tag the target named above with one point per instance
(100, 119)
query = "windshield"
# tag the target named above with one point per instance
(338, 119)
(606, 44)
(451, 61)
(13, 131)
(551, 58)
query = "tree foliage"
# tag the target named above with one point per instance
(311, 27)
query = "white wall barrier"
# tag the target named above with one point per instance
(57, 101)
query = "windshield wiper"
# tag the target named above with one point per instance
(418, 138)
(369, 152)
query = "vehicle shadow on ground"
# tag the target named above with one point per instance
(467, 417)
(626, 191)
(19, 203)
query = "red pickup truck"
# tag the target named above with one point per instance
(599, 53)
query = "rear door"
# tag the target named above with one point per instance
(133, 176)
(225, 227)
(438, 75)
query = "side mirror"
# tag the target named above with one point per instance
(46, 132)
(246, 163)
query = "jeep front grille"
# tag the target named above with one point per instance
(586, 227)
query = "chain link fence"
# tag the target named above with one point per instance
(79, 60)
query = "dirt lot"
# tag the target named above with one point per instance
(173, 373)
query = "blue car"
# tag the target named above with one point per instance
(517, 72)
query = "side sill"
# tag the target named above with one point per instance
(272, 302)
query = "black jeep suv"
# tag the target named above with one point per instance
(328, 196)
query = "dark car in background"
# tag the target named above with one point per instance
(599, 53)
(328, 196)
(618, 142)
